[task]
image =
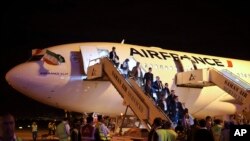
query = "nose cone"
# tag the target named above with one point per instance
(19, 76)
(10, 75)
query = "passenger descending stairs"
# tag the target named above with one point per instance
(141, 104)
(226, 80)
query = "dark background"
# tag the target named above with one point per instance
(215, 28)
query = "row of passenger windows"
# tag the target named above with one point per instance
(159, 67)
(170, 68)
(164, 67)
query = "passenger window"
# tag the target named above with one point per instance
(171, 67)
(151, 65)
(166, 67)
(35, 58)
(161, 67)
(156, 66)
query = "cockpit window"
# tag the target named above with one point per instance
(35, 58)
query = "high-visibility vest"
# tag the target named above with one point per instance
(61, 131)
(166, 135)
(88, 133)
(101, 133)
(34, 127)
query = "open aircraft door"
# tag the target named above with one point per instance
(90, 55)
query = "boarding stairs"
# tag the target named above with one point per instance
(141, 104)
(226, 80)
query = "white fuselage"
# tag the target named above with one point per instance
(64, 86)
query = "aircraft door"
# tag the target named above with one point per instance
(184, 63)
(187, 63)
(90, 53)
(178, 64)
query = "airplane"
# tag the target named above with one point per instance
(57, 76)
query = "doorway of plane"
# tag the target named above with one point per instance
(90, 55)
(184, 63)
(178, 64)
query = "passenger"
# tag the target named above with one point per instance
(112, 125)
(106, 121)
(179, 109)
(225, 132)
(209, 123)
(148, 89)
(137, 74)
(125, 68)
(7, 128)
(165, 90)
(157, 85)
(170, 104)
(176, 110)
(84, 121)
(188, 122)
(203, 134)
(172, 95)
(162, 104)
(88, 130)
(232, 120)
(148, 76)
(34, 129)
(53, 128)
(114, 57)
(194, 128)
(152, 136)
(102, 132)
(50, 128)
(179, 129)
(75, 134)
(63, 130)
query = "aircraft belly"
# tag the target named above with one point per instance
(93, 96)
(207, 101)
(102, 97)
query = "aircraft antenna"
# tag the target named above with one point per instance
(123, 40)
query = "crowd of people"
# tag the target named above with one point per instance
(86, 130)
(65, 130)
(96, 129)
(204, 129)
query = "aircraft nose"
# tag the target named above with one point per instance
(18, 76)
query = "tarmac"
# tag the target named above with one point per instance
(26, 135)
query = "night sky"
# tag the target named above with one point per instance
(214, 28)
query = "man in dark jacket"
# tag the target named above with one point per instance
(113, 56)
(148, 76)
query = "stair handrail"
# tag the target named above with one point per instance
(231, 73)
